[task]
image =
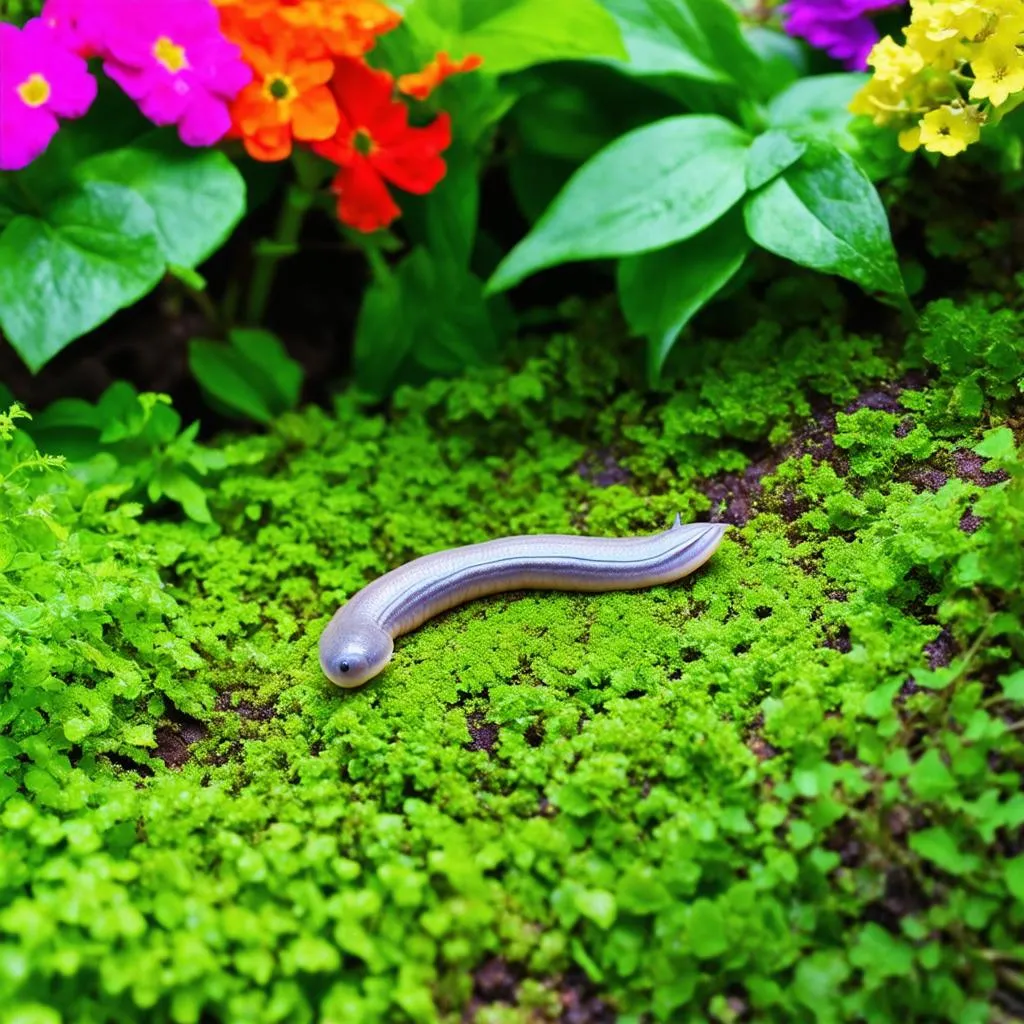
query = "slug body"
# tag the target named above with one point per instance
(359, 640)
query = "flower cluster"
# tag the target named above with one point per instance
(270, 73)
(169, 56)
(960, 68)
(841, 28)
(311, 85)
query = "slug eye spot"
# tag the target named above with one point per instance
(343, 666)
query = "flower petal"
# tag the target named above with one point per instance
(364, 202)
(315, 115)
(414, 163)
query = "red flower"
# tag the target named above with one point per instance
(375, 145)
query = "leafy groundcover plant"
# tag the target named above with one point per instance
(788, 791)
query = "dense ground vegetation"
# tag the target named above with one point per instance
(787, 788)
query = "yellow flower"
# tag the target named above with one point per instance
(998, 73)
(953, 19)
(880, 101)
(894, 63)
(910, 139)
(937, 54)
(950, 129)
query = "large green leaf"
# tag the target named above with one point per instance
(699, 40)
(197, 196)
(770, 154)
(662, 291)
(655, 186)
(817, 107)
(824, 213)
(515, 34)
(662, 40)
(68, 268)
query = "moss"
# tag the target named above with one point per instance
(787, 787)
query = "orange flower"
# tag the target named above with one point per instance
(375, 145)
(345, 28)
(420, 84)
(287, 98)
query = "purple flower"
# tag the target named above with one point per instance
(40, 81)
(170, 57)
(841, 28)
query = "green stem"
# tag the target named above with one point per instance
(270, 252)
(378, 265)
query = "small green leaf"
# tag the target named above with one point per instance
(1013, 686)
(140, 736)
(76, 729)
(824, 213)
(707, 936)
(771, 154)
(252, 375)
(65, 271)
(662, 291)
(998, 444)
(930, 778)
(655, 186)
(428, 316)
(180, 487)
(1013, 873)
(597, 905)
(940, 847)
(880, 953)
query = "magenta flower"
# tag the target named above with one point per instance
(171, 58)
(40, 81)
(79, 25)
(841, 28)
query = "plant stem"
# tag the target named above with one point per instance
(285, 239)
(310, 174)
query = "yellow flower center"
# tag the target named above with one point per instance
(35, 90)
(279, 87)
(168, 53)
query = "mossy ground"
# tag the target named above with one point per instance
(787, 788)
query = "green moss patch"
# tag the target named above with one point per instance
(786, 788)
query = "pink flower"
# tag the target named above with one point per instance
(171, 58)
(40, 80)
(79, 25)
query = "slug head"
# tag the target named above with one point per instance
(353, 653)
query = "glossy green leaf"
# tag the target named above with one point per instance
(662, 291)
(661, 39)
(824, 213)
(514, 34)
(197, 195)
(818, 107)
(770, 155)
(655, 186)
(69, 268)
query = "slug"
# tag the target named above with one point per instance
(359, 640)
